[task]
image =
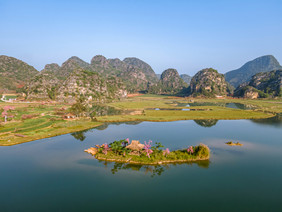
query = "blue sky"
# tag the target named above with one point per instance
(186, 35)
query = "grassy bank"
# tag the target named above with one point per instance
(170, 115)
(9, 136)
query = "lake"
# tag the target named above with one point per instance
(55, 174)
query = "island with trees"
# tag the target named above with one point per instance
(134, 152)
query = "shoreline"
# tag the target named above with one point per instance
(153, 163)
(50, 136)
(134, 152)
(127, 119)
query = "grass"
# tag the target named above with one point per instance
(140, 103)
(45, 124)
(265, 105)
(174, 115)
(263, 109)
(45, 130)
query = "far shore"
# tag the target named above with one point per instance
(45, 121)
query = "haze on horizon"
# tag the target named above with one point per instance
(186, 35)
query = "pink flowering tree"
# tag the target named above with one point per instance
(6, 111)
(147, 148)
(166, 152)
(106, 148)
(190, 150)
(128, 142)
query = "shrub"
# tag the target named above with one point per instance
(202, 151)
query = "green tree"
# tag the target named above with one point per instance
(79, 109)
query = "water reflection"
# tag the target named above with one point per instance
(80, 135)
(59, 166)
(106, 125)
(152, 170)
(177, 109)
(206, 104)
(240, 106)
(206, 122)
(104, 110)
(229, 105)
(273, 121)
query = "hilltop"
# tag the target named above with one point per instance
(14, 73)
(169, 83)
(261, 64)
(208, 82)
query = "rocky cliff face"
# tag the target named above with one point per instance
(208, 82)
(169, 83)
(186, 78)
(14, 73)
(43, 86)
(261, 64)
(147, 69)
(135, 73)
(90, 85)
(265, 84)
(246, 91)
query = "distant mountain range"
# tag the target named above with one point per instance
(261, 64)
(104, 79)
(134, 72)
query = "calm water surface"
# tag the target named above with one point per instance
(56, 175)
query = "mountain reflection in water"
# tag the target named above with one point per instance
(206, 122)
(80, 135)
(273, 121)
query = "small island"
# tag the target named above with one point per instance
(134, 152)
(230, 143)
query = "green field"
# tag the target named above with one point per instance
(44, 123)
(32, 121)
